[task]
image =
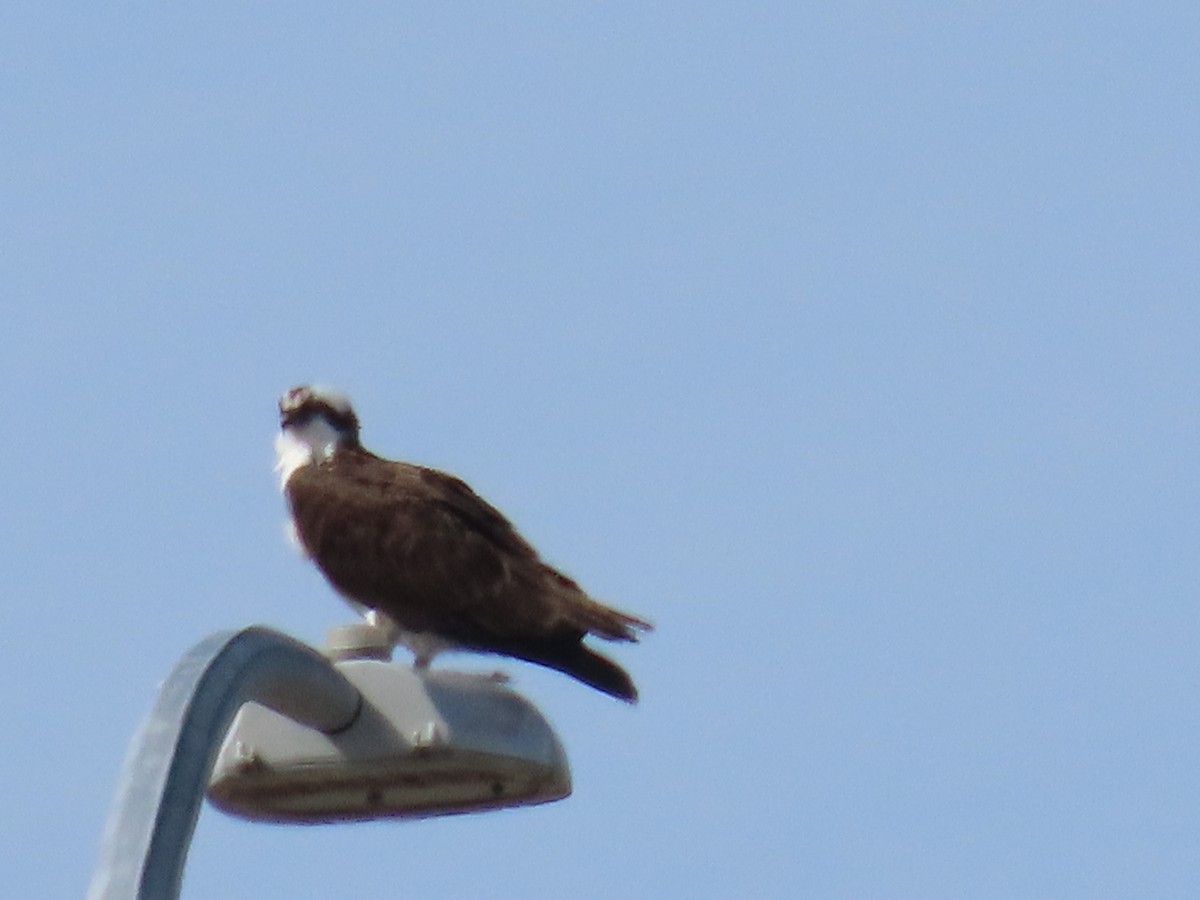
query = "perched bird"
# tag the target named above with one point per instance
(423, 549)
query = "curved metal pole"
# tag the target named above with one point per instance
(166, 772)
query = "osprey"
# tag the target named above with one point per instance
(421, 548)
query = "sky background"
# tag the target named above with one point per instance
(855, 344)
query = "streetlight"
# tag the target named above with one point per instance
(314, 740)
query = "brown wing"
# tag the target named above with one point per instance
(422, 547)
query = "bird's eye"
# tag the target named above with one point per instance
(297, 416)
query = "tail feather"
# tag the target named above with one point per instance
(606, 622)
(586, 613)
(583, 664)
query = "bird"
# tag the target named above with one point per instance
(417, 546)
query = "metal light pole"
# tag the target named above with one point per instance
(312, 741)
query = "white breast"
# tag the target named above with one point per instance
(315, 440)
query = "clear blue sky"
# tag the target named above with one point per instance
(854, 344)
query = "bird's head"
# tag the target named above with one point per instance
(315, 423)
(306, 406)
